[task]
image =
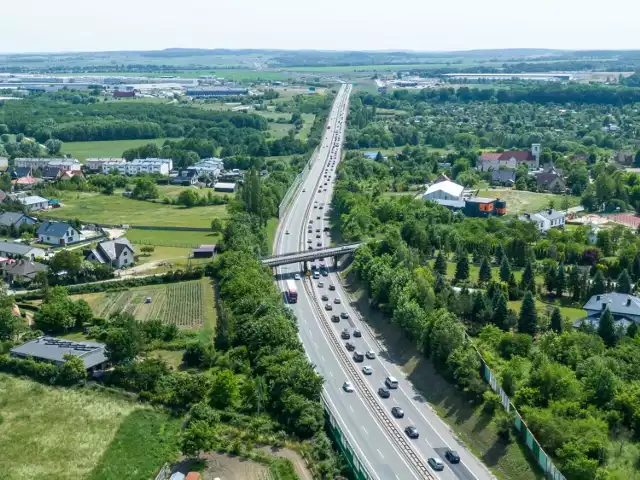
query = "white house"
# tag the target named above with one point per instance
(546, 219)
(34, 202)
(140, 165)
(65, 164)
(118, 253)
(57, 233)
(511, 159)
(95, 164)
(446, 190)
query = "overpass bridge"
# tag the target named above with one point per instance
(309, 255)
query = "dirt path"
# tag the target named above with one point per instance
(294, 457)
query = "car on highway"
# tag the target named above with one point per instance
(357, 333)
(345, 334)
(318, 218)
(397, 412)
(315, 206)
(309, 241)
(350, 346)
(328, 306)
(325, 298)
(452, 456)
(317, 230)
(367, 370)
(320, 285)
(296, 276)
(304, 190)
(319, 244)
(391, 382)
(335, 318)
(344, 315)
(287, 232)
(411, 431)
(310, 247)
(371, 354)
(320, 207)
(383, 392)
(311, 220)
(332, 287)
(347, 386)
(436, 463)
(337, 300)
(325, 273)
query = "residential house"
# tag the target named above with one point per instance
(21, 271)
(186, 177)
(15, 219)
(140, 165)
(441, 178)
(551, 180)
(117, 253)
(545, 219)
(20, 250)
(510, 159)
(447, 193)
(51, 172)
(26, 183)
(94, 165)
(624, 308)
(19, 172)
(624, 158)
(33, 202)
(57, 233)
(224, 187)
(42, 163)
(209, 166)
(503, 177)
(69, 174)
(4, 164)
(53, 350)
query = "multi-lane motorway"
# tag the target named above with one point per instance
(378, 438)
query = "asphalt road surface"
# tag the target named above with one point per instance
(364, 417)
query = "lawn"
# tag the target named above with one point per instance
(185, 304)
(108, 148)
(272, 227)
(171, 238)
(474, 270)
(119, 210)
(541, 307)
(63, 434)
(520, 201)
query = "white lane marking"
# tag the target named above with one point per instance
(330, 373)
(322, 358)
(315, 345)
(352, 409)
(380, 453)
(365, 431)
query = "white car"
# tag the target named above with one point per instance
(367, 370)
(347, 386)
(296, 276)
(371, 354)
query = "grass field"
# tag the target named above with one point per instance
(541, 307)
(62, 434)
(171, 238)
(119, 210)
(110, 148)
(520, 201)
(185, 304)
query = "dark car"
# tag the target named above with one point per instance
(325, 298)
(345, 334)
(383, 392)
(332, 287)
(357, 333)
(452, 456)
(344, 315)
(328, 306)
(358, 357)
(350, 346)
(412, 432)
(397, 412)
(335, 318)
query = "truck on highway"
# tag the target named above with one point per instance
(291, 292)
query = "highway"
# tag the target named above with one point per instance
(365, 418)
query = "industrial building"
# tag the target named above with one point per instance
(215, 91)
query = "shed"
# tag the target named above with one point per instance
(224, 187)
(204, 251)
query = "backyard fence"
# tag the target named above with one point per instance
(542, 458)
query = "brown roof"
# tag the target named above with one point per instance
(519, 155)
(490, 156)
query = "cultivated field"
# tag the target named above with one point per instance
(108, 148)
(62, 434)
(117, 210)
(185, 304)
(520, 201)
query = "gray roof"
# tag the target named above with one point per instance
(23, 268)
(552, 214)
(111, 249)
(594, 321)
(503, 175)
(53, 349)
(620, 304)
(448, 203)
(32, 200)
(54, 229)
(20, 249)
(10, 218)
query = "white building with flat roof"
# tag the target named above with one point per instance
(140, 165)
(65, 164)
(95, 164)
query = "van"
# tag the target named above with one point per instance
(391, 382)
(316, 275)
(358, 357)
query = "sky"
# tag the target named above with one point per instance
(423, 25)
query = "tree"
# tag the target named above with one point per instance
(575, 283)
(225, 390)
(499, 253)
(145, 189)
(560, 281)
(53, 146)
(550, 278)
(148, 249)
(635, 268)
(72, 371)
(528, 280)
(632, 330)
(623, 283)
(10, 325)
(599, 285)
(607, 329)
(556, 320)
(198, 437)
(500, 312)
(599, 383)
(484, 275)
(55, 316)
(82, 312)
(189, 198)
(462, 268)
(528, 319)
(122, 344)
(505, 269)
(216, 225)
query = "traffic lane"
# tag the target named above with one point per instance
(428, 422)
(355, 416)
